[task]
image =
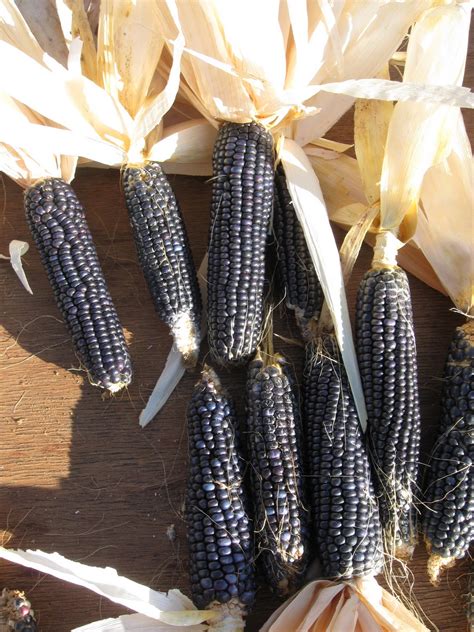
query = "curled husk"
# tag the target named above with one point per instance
(354, 605)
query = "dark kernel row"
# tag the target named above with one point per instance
(242, 198)
(386, 352)
(273, 432)
(219, 530)
(342, 500)
(57, 222)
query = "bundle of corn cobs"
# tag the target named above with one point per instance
(333, 470)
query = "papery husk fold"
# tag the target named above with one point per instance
(360, 605)
(365, 47)
(310, 208)
(419, 134)
(343, 192)
(171, 608)
(445, 222)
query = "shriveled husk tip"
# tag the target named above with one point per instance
(171, 610)
(437, 565)
(360, 605)
(444, 231)
(187, 338)
(419, 134)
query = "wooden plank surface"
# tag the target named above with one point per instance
(78, 475)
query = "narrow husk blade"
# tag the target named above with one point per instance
(420, 133)
(310, 207)
(108, 583)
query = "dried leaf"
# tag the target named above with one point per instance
(445, 224)
(365, 607)
(16, 250)
(174, 368)
(311, 210)
(136, 623)
(420, 133)
(172, 608)
(371, 123)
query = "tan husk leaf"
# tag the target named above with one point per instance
(446, 225)
(75, 24)
(420, 133)
(348, 606)
(172, 608)
(127, 103)
(344, 195)
(371, 123)
(311, 210)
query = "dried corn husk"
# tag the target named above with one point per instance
(445, 222)
(160, 611)
(108, 103)
(16, 250)
(419, 134)
(395, 149)
(344, 194)
(359, 605)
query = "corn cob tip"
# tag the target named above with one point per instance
(437, 565)
(16, 612)
(230, 616)
(116, 388)
(186, 338)
(209, 376)
(404, 551)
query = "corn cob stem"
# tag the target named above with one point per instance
(346, 520)
(449, 498)
(221, 546)
(274, 444)
(164, 254)
(386, 351)
(59, 228)
(242, 198)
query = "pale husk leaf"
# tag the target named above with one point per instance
(129, 34)
(187, 143)
(74, 23)
(352, 243)
(212, 87)
(77, 104)
(420, 134)
(445, 222)
(16, 249)
(15, 30)
(174, 367)
(311, 210)
(24, 165)
(369, 33)
(341, 185)
(45, 25)
(135, 623)
(351, 606)
(234, 78)
(371, 123)
(172, 607)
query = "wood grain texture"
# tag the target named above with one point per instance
(78, 475)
